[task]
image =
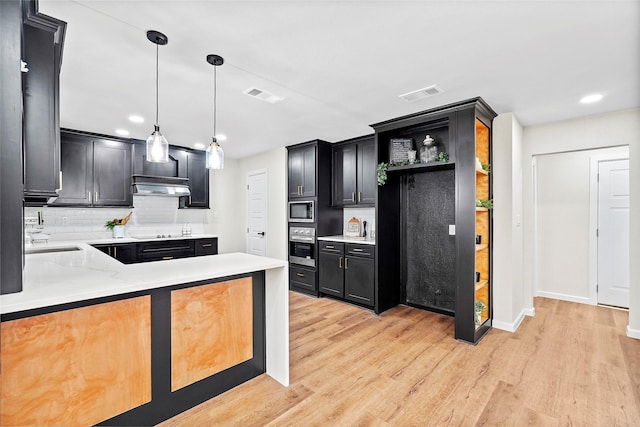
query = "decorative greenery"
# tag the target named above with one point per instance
(116, 221)
(480, 306)
(442, 157)
(487, 204)
(486, 167)
(382, 173)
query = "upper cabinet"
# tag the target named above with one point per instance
(354, 172)
(302, 171)
(43, 38)
(183, 163)
(96, 171)
(198, 175)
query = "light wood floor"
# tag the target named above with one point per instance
(571, 364)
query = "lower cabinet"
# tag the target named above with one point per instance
(125, 253)
(131, 253)
(303, 280)
(347, 270)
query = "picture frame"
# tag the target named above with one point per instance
(399, 149)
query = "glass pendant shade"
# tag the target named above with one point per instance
(215, 156)
(157, 147)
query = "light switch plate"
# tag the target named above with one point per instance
(452, 229)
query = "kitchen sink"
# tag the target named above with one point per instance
(47, 250)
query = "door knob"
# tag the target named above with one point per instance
(261, 233)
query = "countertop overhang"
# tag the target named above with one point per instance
(346, 239)
(72, 276)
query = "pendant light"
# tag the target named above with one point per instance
(157, 145)
(215, 155)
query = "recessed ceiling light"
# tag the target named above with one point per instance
(590, 99)
(263, 95)
(198, 145)
(136, 119)
(122, 132)
(221, 137)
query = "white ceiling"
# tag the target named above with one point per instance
(340, 65)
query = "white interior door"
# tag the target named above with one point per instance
(613, 232)
(257, 213)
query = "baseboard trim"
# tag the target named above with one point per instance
(507, 326)
(633, 333)
(531, 311)
(564, 297)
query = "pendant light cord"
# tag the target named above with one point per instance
(157, 101)
(215, 96)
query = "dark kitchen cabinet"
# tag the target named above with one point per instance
(206, 247)
(125, 252)
(347, 271)
(42, 42)
(96, 171)
(419, 263)
(302, 171)
(330, 268)
(303, 280)
(354, 172)
(165, 250)
(198, 175)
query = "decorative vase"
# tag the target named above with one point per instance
(118, 231)
(428, 151)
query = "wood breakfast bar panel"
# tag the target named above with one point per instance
(211, 329)
(63, 365)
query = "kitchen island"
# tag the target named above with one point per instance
(92, 341)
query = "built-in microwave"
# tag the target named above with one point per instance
(301, 211)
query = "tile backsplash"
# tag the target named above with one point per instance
(363, 214)
(151, 215)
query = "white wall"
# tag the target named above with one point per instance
(633, 329)
(563, 219)
(593, 132)
(508, 303)
(228, 215)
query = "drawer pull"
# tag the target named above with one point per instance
(167, 257)
(207, 245)
(300, 274)
(330, 247)
(358, 250)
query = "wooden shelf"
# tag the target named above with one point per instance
(481, 247)
(481, 172)
(423, 167)
(481, 284)
(479, 209)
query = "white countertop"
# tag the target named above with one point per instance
(143, 237)
(347, 239)
(71, 276)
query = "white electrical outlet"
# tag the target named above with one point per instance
(452, 229)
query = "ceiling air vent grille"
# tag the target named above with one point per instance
(421, 93)
(262, 95)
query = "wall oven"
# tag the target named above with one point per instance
(301, 211)
(302, 246)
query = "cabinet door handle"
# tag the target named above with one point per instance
(346, 263)
(353, 197)
(189, 200)
(207, 245)
(90, 198)
(60, 180)
(96, 197)
(302, 190)
(167, 257)
(359, 196)
(300, 274)
(115, 252)
(340, 262)
(109, 250)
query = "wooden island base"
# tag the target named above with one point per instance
(134, 359)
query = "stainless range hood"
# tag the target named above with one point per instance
(144, 185)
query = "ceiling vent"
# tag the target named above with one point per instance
(262, 95)
(421, 93)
